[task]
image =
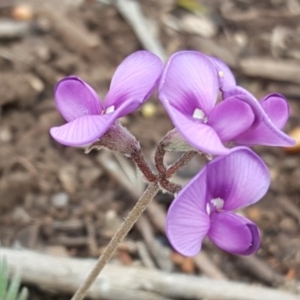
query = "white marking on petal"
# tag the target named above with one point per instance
(110, 109)
(218, 203)
(198, 114)
(208, 209)
(221, 74)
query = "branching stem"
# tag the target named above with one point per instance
(159, 158)
(138, 157)
(182, 161)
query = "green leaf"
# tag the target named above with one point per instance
(3, 277)
(13, 288)
(10, 291)
(23, 295)
(193, 6)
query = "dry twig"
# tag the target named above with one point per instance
(13, 29)
(260, 269)
(131, 11)
(284, 70)
(160, 253)
(207, 267)
(79, 40)
(127, 283)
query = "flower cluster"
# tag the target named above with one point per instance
(188, 87)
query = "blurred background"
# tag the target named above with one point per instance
(62, 202)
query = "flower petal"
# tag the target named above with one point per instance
(226, 115)
(189, 81)
(83, 130)
(233, 233)
(197, 134)
(134, 80)
(240, 178)
(226, 78)
(263, 131)
(255, 236)
(75, 98)
(234, 91)
(187, 220)
(277, 109)
(87, 129)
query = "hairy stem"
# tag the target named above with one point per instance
(133, 216)
(164, 182)
(159, 158)
(182, 161)
(170, 187)
(138, 157)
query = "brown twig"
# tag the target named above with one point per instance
(80, 40)
(70, 241)
(157, 215)
(92, 244)
(145, 256)
(260, 269)
(160, 253)
(207, 267)
(289, 207)
(281, 70)
(34, 235)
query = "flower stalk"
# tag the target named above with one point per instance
(131, 219)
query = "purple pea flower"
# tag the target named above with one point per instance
(271, 112)
(189, 88)
(224, 74)
(271, 115)
(87, 117)
(204, 206)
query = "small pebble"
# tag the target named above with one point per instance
(22, 12)
(20, 215)
(288, 225)
(68, 178)
(60, 200)
(5, 135)
(59, 251)
(36, 83)
(290, 163)
(200, 25)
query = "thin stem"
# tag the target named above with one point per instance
(170, 187)
(182, 161)
(138, 157)
(133, 216)
(159, 158)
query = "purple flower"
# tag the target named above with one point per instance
(204, 206)
(224, 74)
(271, 115)
(189, 88)
(88, 119)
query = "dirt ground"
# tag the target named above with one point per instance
(60, 201)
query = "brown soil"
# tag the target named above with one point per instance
(36, 173)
